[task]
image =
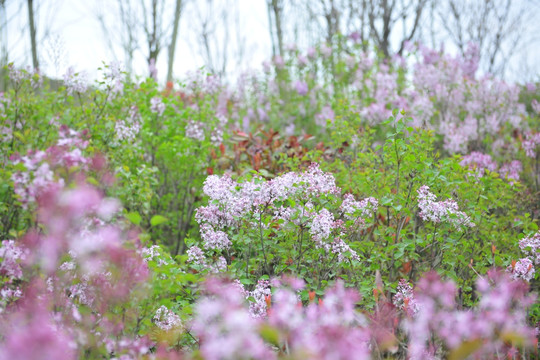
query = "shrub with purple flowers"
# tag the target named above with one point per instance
(336, 205)
(271, 227)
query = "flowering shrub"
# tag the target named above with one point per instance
(333, 328)
(286, 220)
(74, 274)
(138, 222)
(484, 331)
(442, 211)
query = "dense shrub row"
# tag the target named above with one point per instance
(332, 206)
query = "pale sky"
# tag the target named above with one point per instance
(76, 39)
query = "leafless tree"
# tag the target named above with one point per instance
(153, 28)
(174, 38)
(496, 26)
(123, 32)
(385, 15)
(3, 34)
(134, 20)
(4, 41)
(32, 27)
(218, 35)
(372, 20)
(356, 19)
(275, 24)
(331, 14)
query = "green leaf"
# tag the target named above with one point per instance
(134, 217)
(270, 334)
(157, 220)
(465, 349)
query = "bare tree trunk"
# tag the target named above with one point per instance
(497, 27)
(332, 17)
(129, 38)
(385, 15)
(277, 8)
(172, 45)
(271, 28)
(153, 41)
(4, 47)
(153, 33)
(32, 24)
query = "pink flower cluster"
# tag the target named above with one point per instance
(75, 82)
(154, 253)
(531, 246)
(166, 320)
(450, 83)
(522, 269)
(260, 295)
(114, 77)
(500, 314)
(32, 333)
(535, 105)
(301, 87)
(354, 210)
(329, 330)
(404, 298)
(88, 270)
(156, 105)
(129, 128)
(479, 162)
(334, 329)
(324, 115)
(12, 256)
(322, 227)
(126, 348)
(196, 257)
(511, 170)
(225, 327)
(531, 143)
(214, 240)
(17, 76)
(441, 211)
(232, 203)
(195, 130)
(38, 174)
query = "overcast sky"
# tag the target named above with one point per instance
(69, 34)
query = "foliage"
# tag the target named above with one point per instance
(297, 214)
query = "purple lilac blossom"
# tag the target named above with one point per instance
(479, 162)
(531, 247)
(195, 130)
(156, 105)
(522, 269)
(225, 325)
(511, 170)
(301, 87)
(404, 298)
(531, 143)
(500, 312)
(12, 255)
(75, 82)
(166, 320)
(440, 211)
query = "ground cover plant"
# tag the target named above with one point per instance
(333, 205)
